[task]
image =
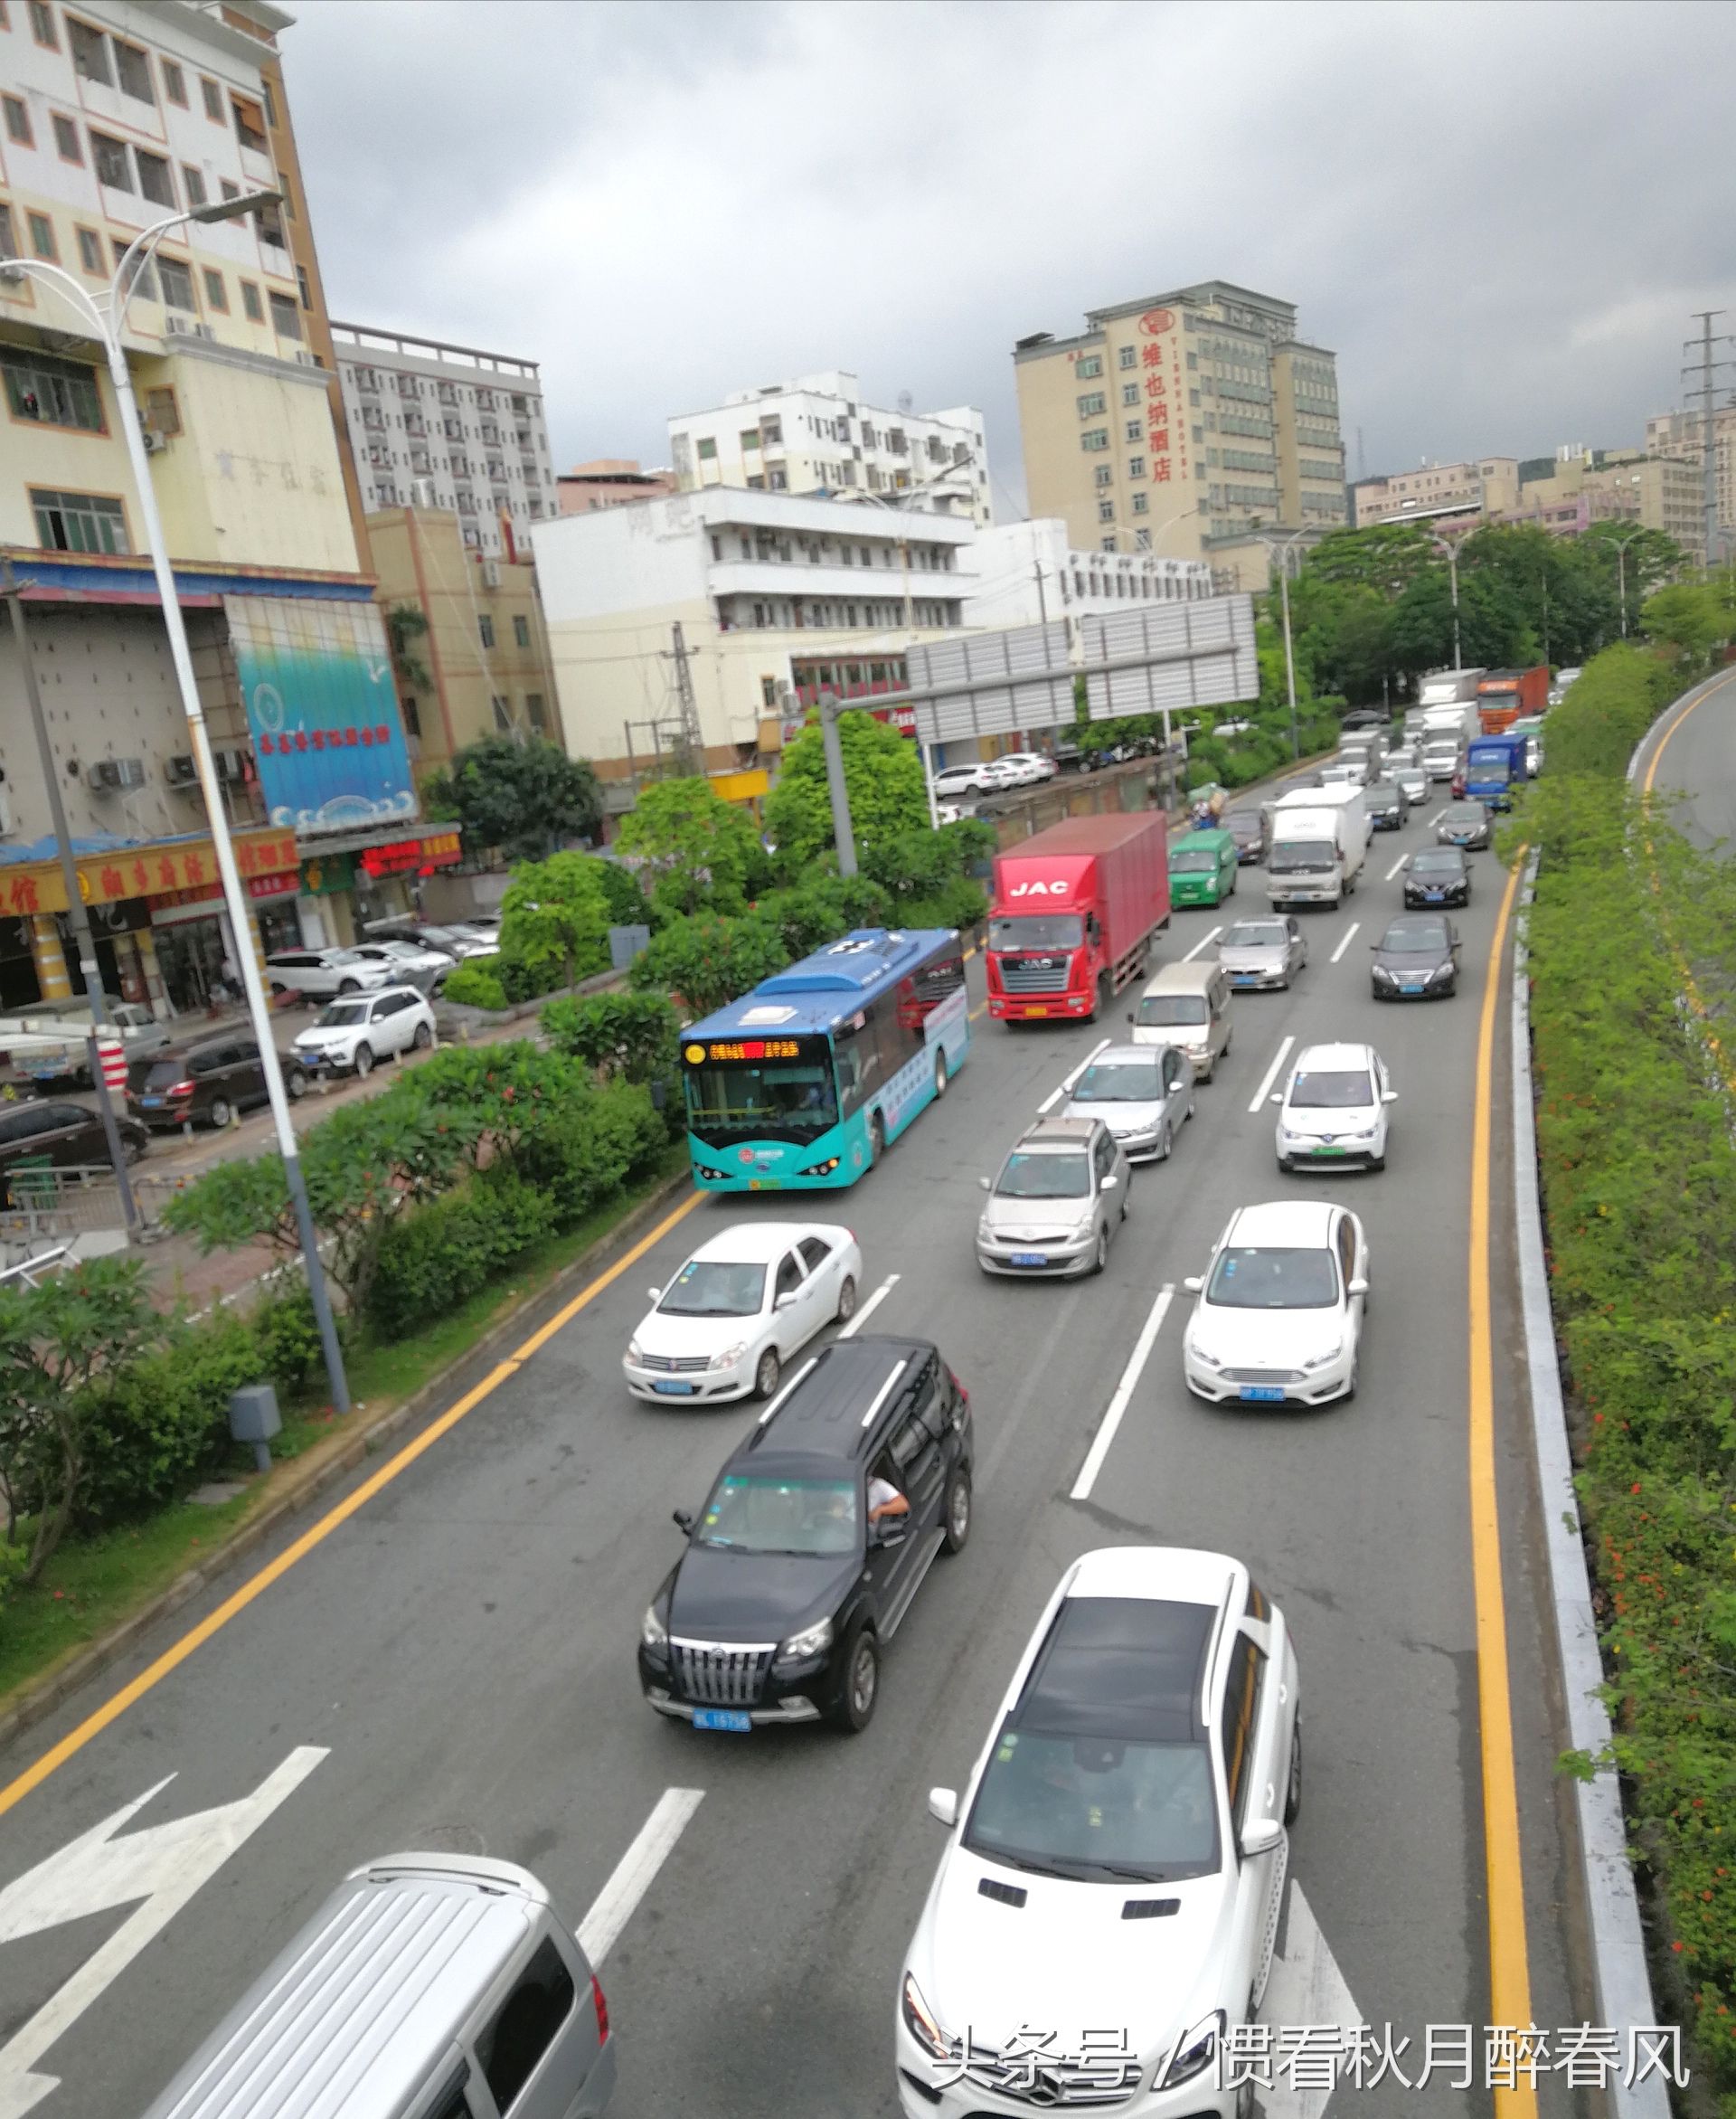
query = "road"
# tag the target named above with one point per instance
(1692, 750)
(462, 1648)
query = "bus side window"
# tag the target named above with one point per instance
(854, 1058)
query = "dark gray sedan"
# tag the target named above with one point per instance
(1416, 958)
(1438, 875)
(1462, 824)
(1248, 828)
(1385, 804)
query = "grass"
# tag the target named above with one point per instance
(93, 1583)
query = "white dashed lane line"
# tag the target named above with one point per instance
(1124, 1391)
(868, 1309)
(1350, 933)
(635, 1871)
(1397, 865)
(1270, 1076)
(1065, 1089)
(1203, 942)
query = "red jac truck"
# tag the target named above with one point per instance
(1503, 695)
(1074, 909)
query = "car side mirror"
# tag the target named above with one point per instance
(1359, 1287)
(1389, 1096)
(1261, 1835)
(943, 1805)
(1194, 1283)
(785, 1299)
(984, 1182)
(683, 1520)
(1110, 1183)
(656, 1294)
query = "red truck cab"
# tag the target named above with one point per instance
(1074, 912)
(1505, 695)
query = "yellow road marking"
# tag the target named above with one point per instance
(1509, 1965)
(317, 1533)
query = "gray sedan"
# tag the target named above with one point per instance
(1386, 806)
(1417, 957)
(1262, 952)
(1143, 1093)
(1462, 824)
(1056, 1204)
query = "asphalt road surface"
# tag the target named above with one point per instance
(1692, 752)
(453, 1665)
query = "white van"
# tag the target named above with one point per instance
(1186, 1006)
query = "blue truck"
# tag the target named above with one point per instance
(1494, 766)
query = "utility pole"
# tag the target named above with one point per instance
(79, 917)
(690, 750)
(1451, 550)
(836, 786)
(1706, 368)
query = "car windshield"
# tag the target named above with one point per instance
(1166, 1011)
(806, 1518)
(1095, 1807)
(1383, 794)
(798, 1098)
(1036, 931)
(1460, 819)
(1120, 1081)
(1445, 862)
(340, 1015)
(1044, 1174)
(1254, 934)
(1186, 860)
(710, 1287)
(1249, 1277)
(1333, 1090)
(1412, 938)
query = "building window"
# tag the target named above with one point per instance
(1136, 467)
(1106, 474)
(1094, 438)
(705, 449)
(155, 179)
(89, 53)
(216, 291)
(535, 712)
(1142, 503)
(213, 98)
(174, 83)
(412, 718)
(1106, 511)
(270, 107)
(1136, 430)
(1088, 365)
(78, 522)
(195, 182)
(302, 287)
(1142, 539)
(59, 393)
(486, 627)
(1128, 357)
(521, 630)
(41, 237)
(1107, 544)
(177, 285)
(67, 144)
(135, 71)
(41, 24)
(1091, 404)
(1129, 394)
(250, 124)
(110, 158)
(285, 319)
(250, 303)
(503, 710)
(142, 279)
(18, 121)
(91, 252)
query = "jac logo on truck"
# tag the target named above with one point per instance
(1038, 890)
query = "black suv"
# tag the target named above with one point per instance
(782, 1605)
(208, 1081)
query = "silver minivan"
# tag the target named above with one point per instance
(1186, 1005)
(428, 1986)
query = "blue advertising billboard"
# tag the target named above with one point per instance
(315, 676)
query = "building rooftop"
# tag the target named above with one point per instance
(372, 338)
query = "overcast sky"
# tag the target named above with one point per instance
(1499, 216)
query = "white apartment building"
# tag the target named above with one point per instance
(774, 597)
(815, 436)
(1028, 574)
(442, 426)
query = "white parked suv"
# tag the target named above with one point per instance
(1332, 1108)
(349, 1035)
(322, 972)
(1117, 1858)
(1031, 766)
(1278, 1315)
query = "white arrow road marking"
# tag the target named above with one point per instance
(1203, 942)
(636, 1868)
(1350, 935)
(1305, 1986)
(1066, 1088)
(1397, 865)
(1265, 1088)
(164, 1865)
(1130, 1375)
(868, 1309)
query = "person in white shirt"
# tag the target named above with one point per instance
(884, 1499)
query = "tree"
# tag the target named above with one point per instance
(708, 959)
(883, 772)
(557, 912)
(522, 798)
(698, 850)
(1687, 621)
(1382, 557)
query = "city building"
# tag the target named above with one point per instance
(117, 116)
(742, 604)
(446, 427)
(611, 481)
(1609, 485)
(1028, 574)
(1485, 486)
(479, 665)
(815, 435)
(1186, 424)
(1682, 436)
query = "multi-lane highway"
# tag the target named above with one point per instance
(452, 1664)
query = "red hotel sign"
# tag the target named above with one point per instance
(404, 857)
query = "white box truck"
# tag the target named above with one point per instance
(1449, 688)
(1445, 730)
(1318, 839)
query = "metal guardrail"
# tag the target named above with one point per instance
(41, 1203)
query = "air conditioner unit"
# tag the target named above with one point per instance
(129, 772)
(176, 325)
(104, 776)
(204, 331)
(234, 767)
(421, 492)
(154, 441)
(180, 770)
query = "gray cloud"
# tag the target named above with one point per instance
(1499, 216)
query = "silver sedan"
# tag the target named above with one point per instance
(1270, 952)
(1143, 1093)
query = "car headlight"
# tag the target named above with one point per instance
(985, 1232)
(635, 1352)
(729, 1356)
(922, 2022)
(1383, 975)
(1202, 1357)
(652, 1630)
(1333, 1353)
(812, 1641)
(1440, 971)
(1194, 2050)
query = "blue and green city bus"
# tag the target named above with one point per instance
(804, 1080)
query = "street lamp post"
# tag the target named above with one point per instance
(1451, 550)
(105, 318)
(1621, 544)
(1283, 546)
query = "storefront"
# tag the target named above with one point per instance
(347, 886)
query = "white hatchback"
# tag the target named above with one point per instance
(1278, 1315)
(745, 1302)
(350, 1034)
(1118, 1856)
(1332, 1108)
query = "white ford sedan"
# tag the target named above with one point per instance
(1278, 1317)
(743, 1303)
(1118, 1856)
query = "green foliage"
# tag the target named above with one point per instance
(821, 908)
(700, 852)
(707, 960)
(628, 905)
(406, 625)
(883, 772)
(432, 1259)
(159, 1425)
(1612, 703)
(1687, 623)
(522, 798)
(959, 901)
(554, 922)
(475, 984)
(288, 1334)
(632, 1035)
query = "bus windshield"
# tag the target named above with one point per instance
(750, 1099)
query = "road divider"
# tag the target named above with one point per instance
(1124, 1391)
(1351, 932)
(868, 1309)
(634, 1872)
(1265, 1089)
(1205, 941)
(1066, 1087)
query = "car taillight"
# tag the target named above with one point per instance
(179, 1089)
(601, 2007)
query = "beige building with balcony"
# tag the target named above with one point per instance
(1183, 424)
(1434, 493)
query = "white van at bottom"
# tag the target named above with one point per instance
(428, 1986)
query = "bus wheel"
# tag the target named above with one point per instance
(876, 1138)
(939, 1073)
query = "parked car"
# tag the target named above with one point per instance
(351, 1034)
(792, 1585)
(411, 963)
(319, 973)
(206, 1081)
(953, 780)
(1278, 1315)
(1143, 1093)
(65, 1135)
(1438, 875)
(1118, 1856)
(1417, 957)
(1462, 824)
(1032, 766)
(140, 1034)
(1333, 1108)
(1386, 806)
(1263, 952)
(748, 1300)
(456, 940)
(1056, 1202)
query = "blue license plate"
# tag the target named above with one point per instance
(1264, 1393)
(153, 1103)
(1030, 1258)
(722, 1718)
(1410, 986)
(675, 1390)
(1242, 978)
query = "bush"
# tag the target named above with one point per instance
(586, 1149)
(708, 959)
(820, 910)
(632, 1035)
(159, 1425)
(475, 984)
(958, 903)
(441, 1253)
(288, 1334)
(628, 905)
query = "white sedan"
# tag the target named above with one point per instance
(1332, 1108)
(1118, 1856)
(953, 780)
(741, 1306)
(1279, 1319)
(351, 1034)
(1031, 766)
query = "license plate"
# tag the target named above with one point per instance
(1262, 1393)
(1030, 1258)
(1329, 1151)
(1243, 978)
(764, 1184)
(1409, 986)
(1036, 1011)
(722, 1718)
(153, 1103)
(674, 1390)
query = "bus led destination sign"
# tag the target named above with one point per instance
(752, 1048)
